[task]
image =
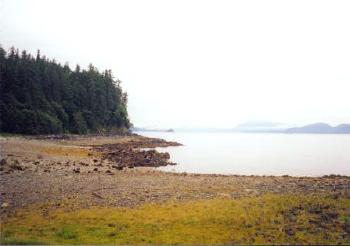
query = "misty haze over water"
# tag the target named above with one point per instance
(258, 153)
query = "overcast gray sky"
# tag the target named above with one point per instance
(201, 63)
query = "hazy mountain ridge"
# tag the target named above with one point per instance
(320, 128)
(262, 127)
(152, 129)
(272, 127)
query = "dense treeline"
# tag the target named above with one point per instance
(40, 96)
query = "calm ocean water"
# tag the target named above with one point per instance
(258, 154)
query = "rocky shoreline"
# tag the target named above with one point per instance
(81, 157)
(131, 155)
(118, 172)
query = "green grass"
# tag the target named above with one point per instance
(67, 232)
(263, 220)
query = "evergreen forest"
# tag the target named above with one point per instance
(41, 96)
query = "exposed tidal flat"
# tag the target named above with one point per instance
(105, 189)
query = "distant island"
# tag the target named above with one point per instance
(262, 127)
(321, 128)
(144, 129)
(271, 127)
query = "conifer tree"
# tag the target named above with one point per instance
(40, 96)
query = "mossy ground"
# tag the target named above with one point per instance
(65, 151)
(277, 219)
